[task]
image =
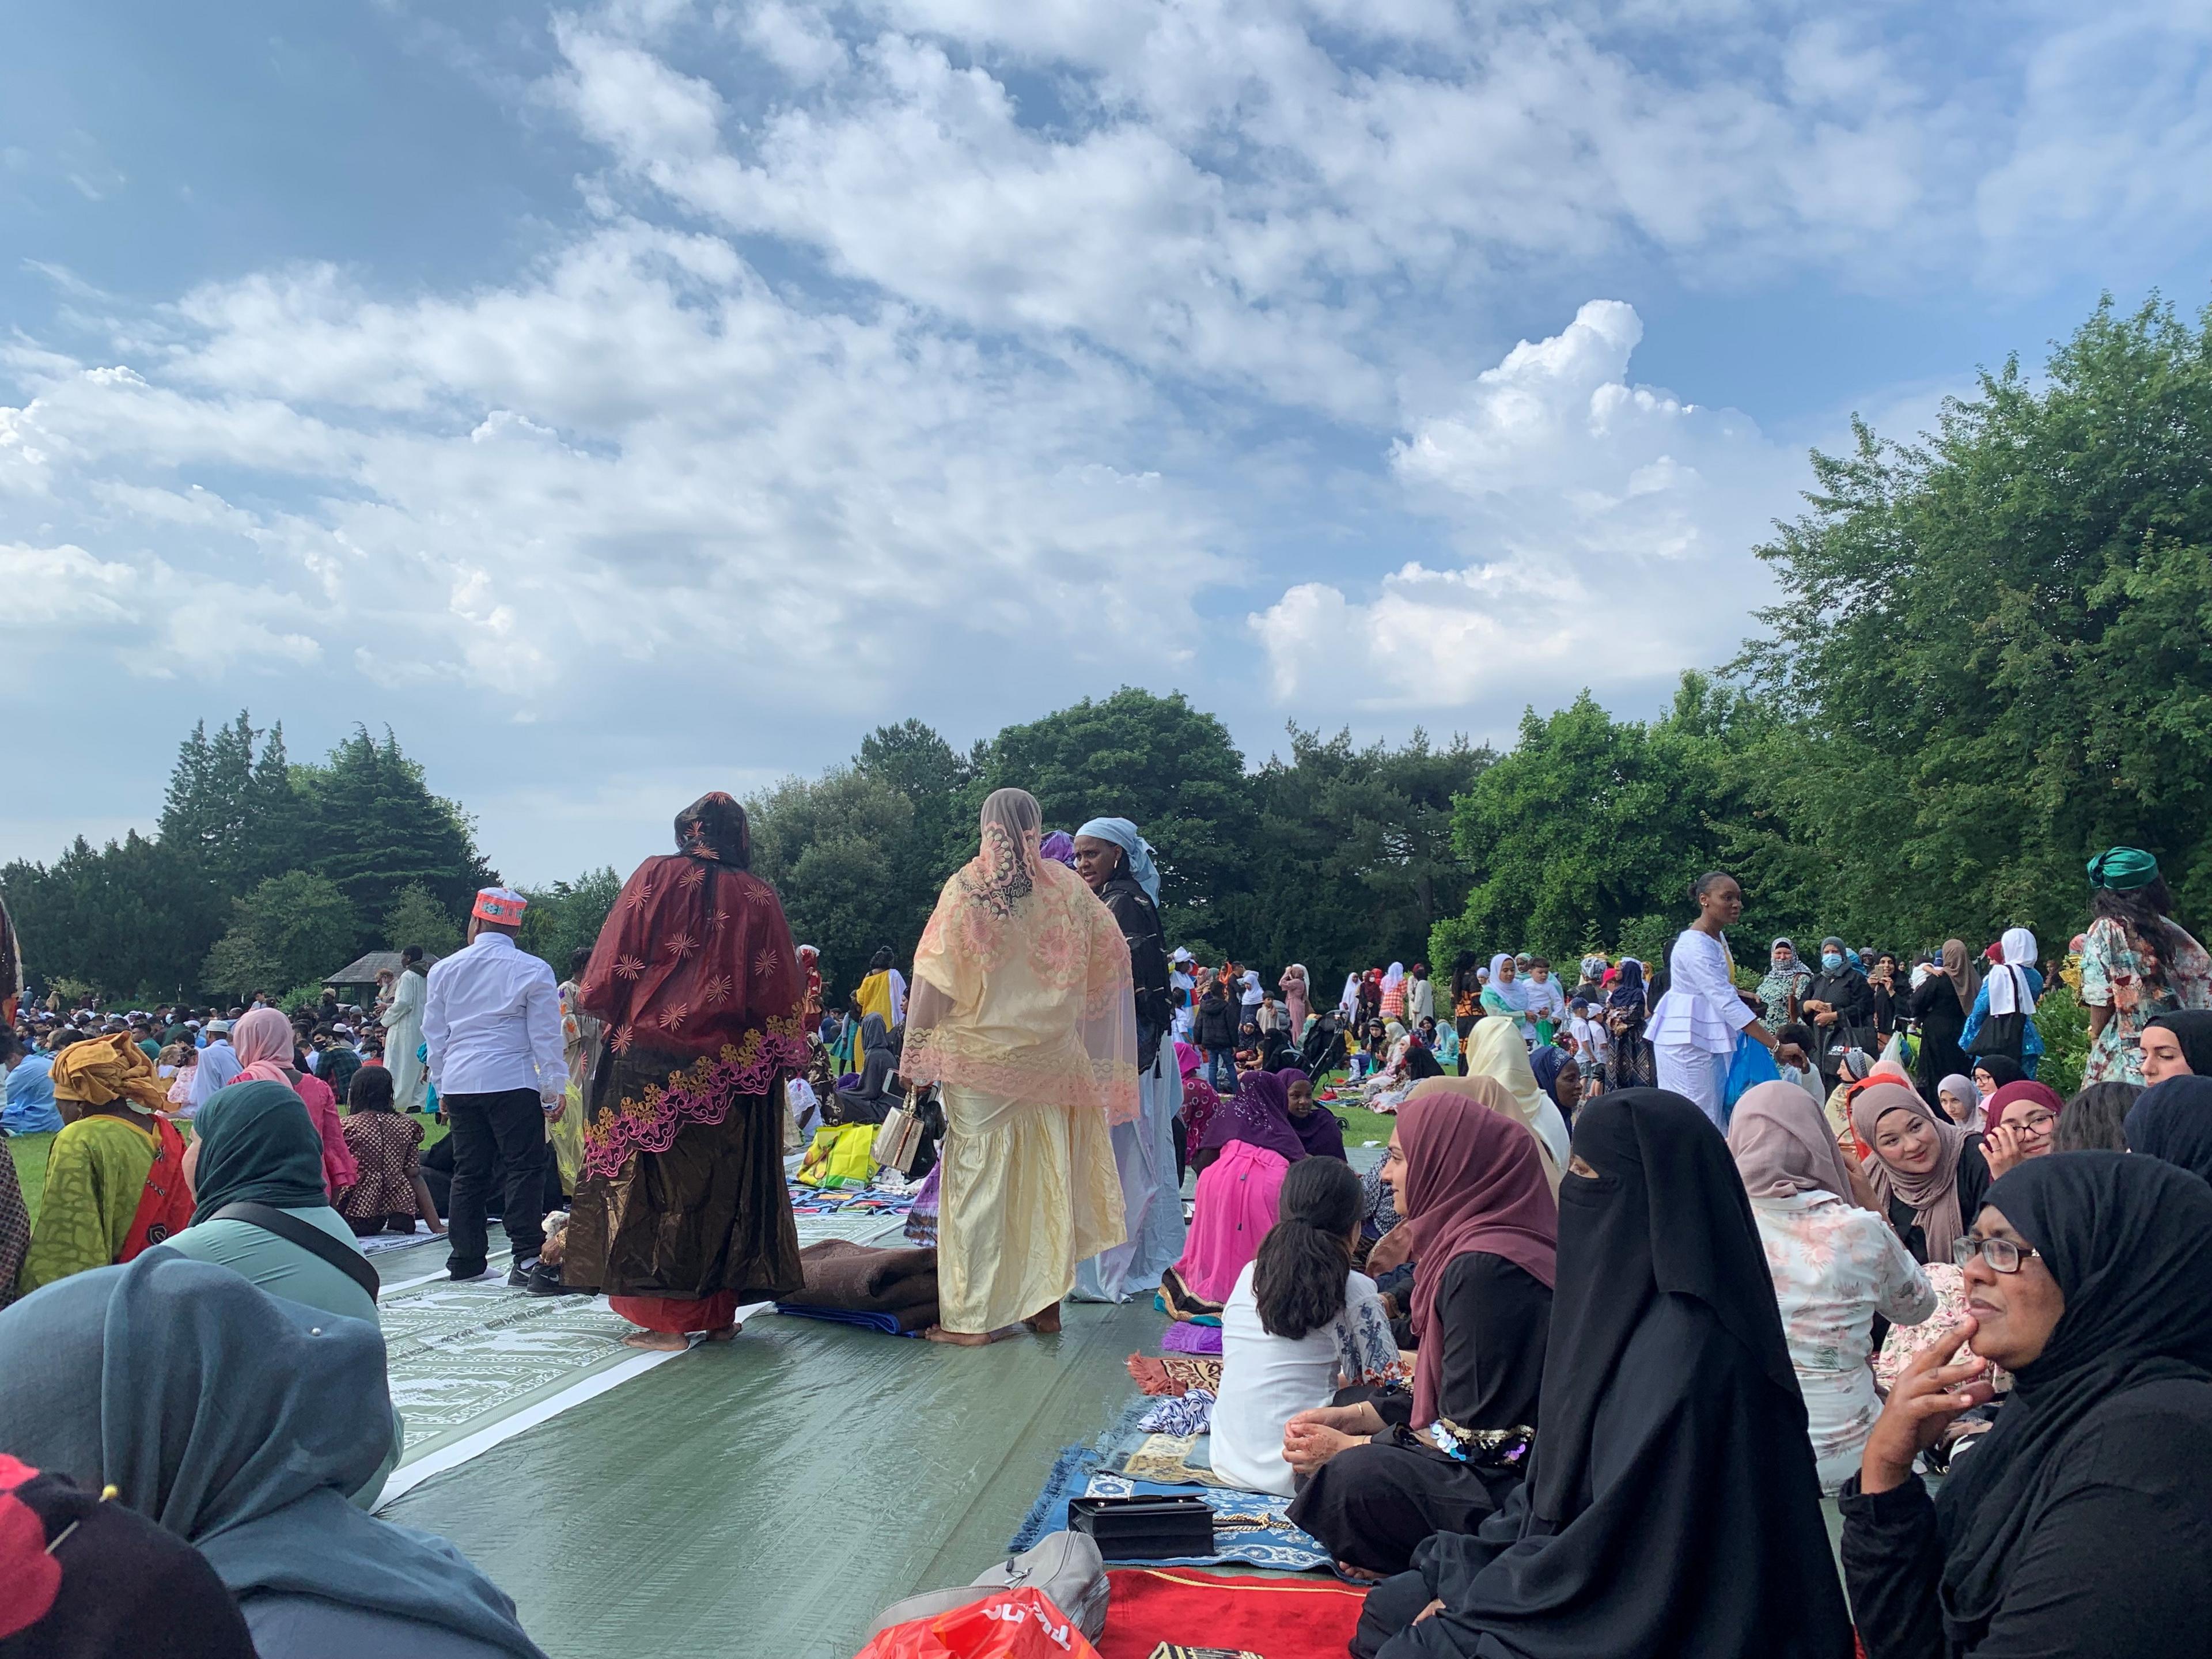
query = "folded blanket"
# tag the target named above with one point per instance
(858, 1279)
(912, 1323)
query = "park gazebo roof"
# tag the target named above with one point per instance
(364, 970)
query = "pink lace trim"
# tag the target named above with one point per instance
(700, 1093)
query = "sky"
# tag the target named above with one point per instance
(628, 400)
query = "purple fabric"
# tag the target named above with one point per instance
(1181, 1338)
(1318, 1131)
(1259, 1115)
(1059, 845)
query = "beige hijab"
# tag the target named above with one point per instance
(1489, 1091)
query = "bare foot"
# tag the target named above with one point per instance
(727, 1334)
(1045, 1323)
(657, 1342)
(966, 1339)
(1362, 1575)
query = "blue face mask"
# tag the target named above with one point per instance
(1831, 960)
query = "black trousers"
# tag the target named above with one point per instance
(499, 1145)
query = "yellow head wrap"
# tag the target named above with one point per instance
(99, 1070)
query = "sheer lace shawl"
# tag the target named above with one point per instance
(1022, 986)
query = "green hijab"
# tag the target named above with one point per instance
(257, 1142)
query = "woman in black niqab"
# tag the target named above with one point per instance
(1672, 1506)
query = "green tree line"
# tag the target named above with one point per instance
(1991, 657)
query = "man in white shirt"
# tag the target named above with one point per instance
(219, 1066)
(491, 1020)
(1182, 988)
(1421, 995)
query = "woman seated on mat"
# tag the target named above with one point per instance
(240, 1421)
(256, 1145)
(1321, 1132)
(1249, 1145)
(1299, 1325)
(390, 1191)
(1928, 1173)
(1671, 1505)
(115, 1177)
(870, 1098)
(2077, 1525)
(1480, 1224)
(1496, 1050)
(1836, 1266)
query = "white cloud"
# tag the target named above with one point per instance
(1607, 526)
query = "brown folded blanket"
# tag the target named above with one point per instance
(863, 1280)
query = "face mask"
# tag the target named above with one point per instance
(1831, 960)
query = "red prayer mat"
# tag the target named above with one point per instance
(1277, 1618)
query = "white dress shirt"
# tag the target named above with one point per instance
(491, 1018)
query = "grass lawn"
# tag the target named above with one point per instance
(29, 1152)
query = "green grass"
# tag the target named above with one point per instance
(29, 1152)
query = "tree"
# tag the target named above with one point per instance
(1994, 649)
(1357, 861)
(1158, 762)
(379, 831)
(237, 813)
(1596, 824)
(416, 917)
(833, 849)
(290, 929)
(566, 917)
(133, 917)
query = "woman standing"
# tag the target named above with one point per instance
(1941, 1003)
(1298, 999)
(1785, 981)
(2136, 963)
(682, 1216)
(1025, 1011)
(402, 1030)
(1627, 1009)
(882, 993)
(1693, 1034)
(2002, 1021)
(1214, 1030)
(1466, 1000)
(1835, 1265)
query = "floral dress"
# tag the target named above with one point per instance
(2112, 977)
(1835, 1266)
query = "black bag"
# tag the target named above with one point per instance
(1143, 1529)
(2001, 1034)
(313, 1239)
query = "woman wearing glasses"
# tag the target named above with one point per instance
(2080, 1523)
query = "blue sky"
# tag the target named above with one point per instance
(625, 400)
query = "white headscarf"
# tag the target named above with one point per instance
(1395, 976)
(2009, 983)
(1349, 1001)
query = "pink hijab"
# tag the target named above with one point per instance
(1474, 1182)
(263, 1039)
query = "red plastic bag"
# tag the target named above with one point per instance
(1015, 1624)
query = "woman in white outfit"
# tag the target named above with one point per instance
(1693, 1030)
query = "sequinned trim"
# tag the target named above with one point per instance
(700, 1092)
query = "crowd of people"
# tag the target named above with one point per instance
(1653, 1262)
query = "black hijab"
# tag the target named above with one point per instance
(2002, 1069)
(2193, 1026)
(2130, 1241)
(1673, 1505)
(2173, 1120)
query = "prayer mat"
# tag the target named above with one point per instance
(464, 1359)
(1280, 1618)
(1249, 1527)
(377, 1244)
(1175, 1460)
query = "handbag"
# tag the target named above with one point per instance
(1143, 1529)
(1064, 1566)
(898, 1142)
(313, 1240)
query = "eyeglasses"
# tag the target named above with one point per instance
(2002, 1254)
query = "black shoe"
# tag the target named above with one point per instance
(518, 1276)
(545, 1280)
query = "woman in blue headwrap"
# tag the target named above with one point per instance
(1117, 863)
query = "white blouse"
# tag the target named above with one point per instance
(1701, 1009)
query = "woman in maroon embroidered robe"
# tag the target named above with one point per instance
(682, 1216)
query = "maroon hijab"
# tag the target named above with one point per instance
(1474, 1182)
